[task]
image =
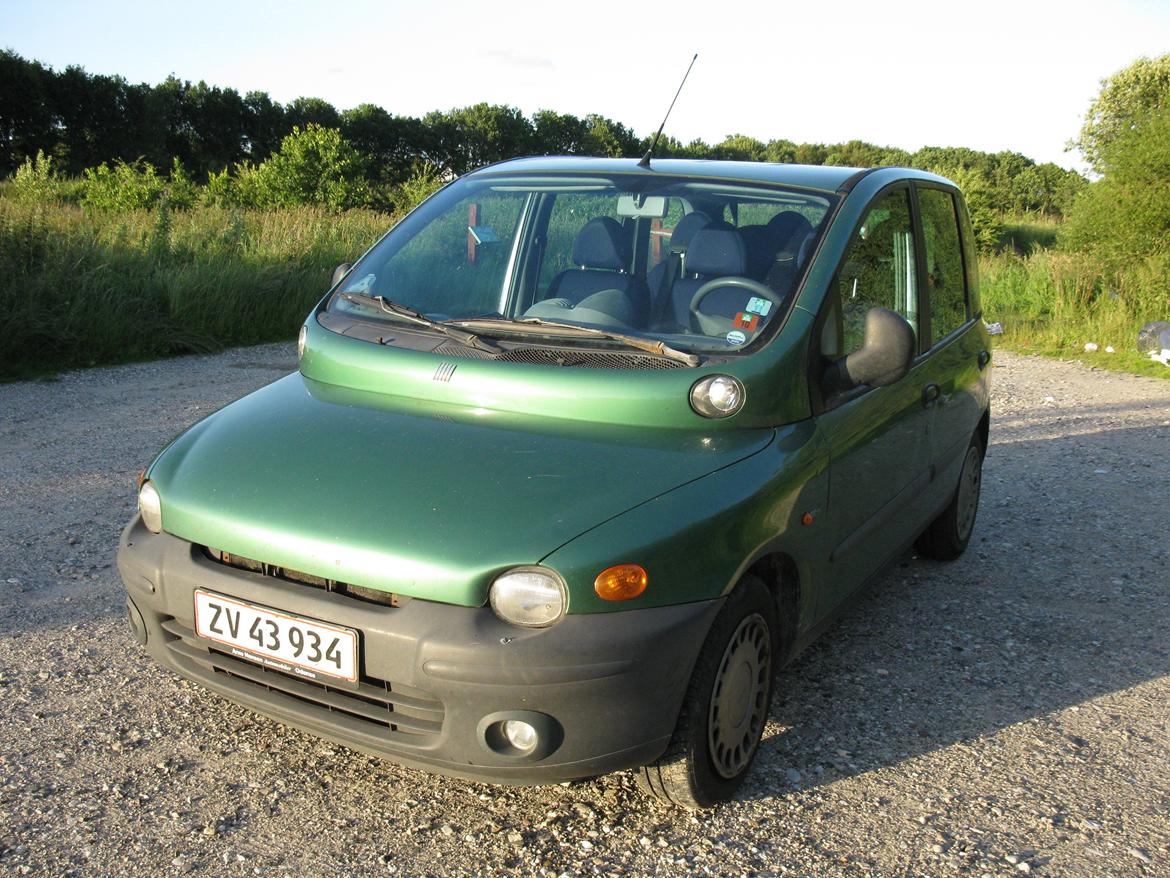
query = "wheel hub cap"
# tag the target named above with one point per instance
(739, 697)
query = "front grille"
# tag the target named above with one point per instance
(400, 713)
(536, 356)
(357, 592)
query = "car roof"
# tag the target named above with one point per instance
(824, 178)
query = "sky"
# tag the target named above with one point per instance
(992, 75)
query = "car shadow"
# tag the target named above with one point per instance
(1033, 619)
(1036, 617)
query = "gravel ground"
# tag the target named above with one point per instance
(1002, 715)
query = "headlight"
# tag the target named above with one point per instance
(301, 343)
(717, 396)
(530, 596)
(150, 507)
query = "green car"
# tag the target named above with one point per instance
(576, 457)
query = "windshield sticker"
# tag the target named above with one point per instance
(756, 305)
(362, 285)
(736, 337)
(744, 320)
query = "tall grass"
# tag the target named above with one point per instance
(82, 288)
(78, 288)
(1054, 303)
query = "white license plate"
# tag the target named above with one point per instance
(288, 643)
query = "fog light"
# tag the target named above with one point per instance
(717, 396)
(519, 734)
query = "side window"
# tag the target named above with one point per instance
(569, 214)
(879, 269)
(946, 285)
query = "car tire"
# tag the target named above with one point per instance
(946, 538)
(726, 705)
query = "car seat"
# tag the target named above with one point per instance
(602, 253)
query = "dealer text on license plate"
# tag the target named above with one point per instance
(288, 643)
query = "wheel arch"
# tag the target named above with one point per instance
(780, 573)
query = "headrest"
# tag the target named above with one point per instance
(787, 229)
(601, 244)
(717, 250)
(685, 230)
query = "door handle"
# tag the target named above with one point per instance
(984, 359)
(930, 393)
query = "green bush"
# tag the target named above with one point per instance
(37, 181)
(423, 182)
(124, 186)
(315, 166)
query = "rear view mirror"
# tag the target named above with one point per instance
(339, 272)
(883, 359)
(642, 206)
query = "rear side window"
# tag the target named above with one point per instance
(570, 213)
(946, 284)
(879, 269)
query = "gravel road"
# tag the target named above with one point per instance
(1003, 715)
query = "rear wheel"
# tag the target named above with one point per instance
(723, 714)
(946, 538)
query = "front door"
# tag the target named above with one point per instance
(878, 438)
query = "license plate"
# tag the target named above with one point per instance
(293, 644)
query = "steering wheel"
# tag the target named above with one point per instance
(712, 324)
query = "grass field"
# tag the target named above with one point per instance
(80, 289)
(1054, 303)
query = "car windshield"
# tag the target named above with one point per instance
(700, 265)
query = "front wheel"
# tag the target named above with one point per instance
(726, 705)
(946, 538)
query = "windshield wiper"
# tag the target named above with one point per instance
(470, 339)
(660, 348)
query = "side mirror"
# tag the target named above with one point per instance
(340, 272)
(883, 359)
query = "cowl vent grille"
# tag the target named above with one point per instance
(535, 356)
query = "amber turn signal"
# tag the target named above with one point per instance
(620, 583)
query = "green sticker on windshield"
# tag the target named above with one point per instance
(756, 305)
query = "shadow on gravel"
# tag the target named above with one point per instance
(1061, 597)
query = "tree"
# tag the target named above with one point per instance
(391, 143)
(557, 133)
(218, 127)
(1124, 217)
(26, 116)
(780, 151)
(264, 125)
(1125, 98)
(303, 112)
(740, 148)
(468, 137)
(605, 137)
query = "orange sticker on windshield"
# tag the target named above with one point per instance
(744, 320)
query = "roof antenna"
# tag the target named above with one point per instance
(645, 162)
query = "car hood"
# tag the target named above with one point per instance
(421, 499)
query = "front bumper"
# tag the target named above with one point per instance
(610, 683)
